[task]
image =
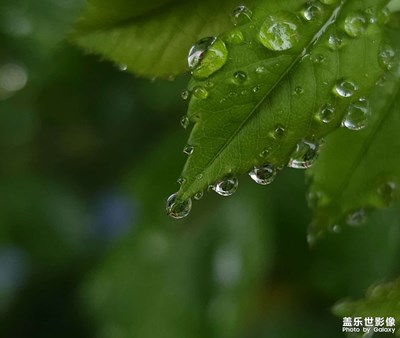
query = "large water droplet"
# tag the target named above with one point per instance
(344, 88)
(236, 37)
(185, 121)
(357, 115)
(279, 32)
(387, 191)
(305, 154)
(326, 114)
(355, 24)
(264, 174)
(239, 77)
(188, 150)
(206, 57)
(311, 10)
(177, 208)
(387, 57)
(241, 15)
(200, 93)
(227, 186)
(357, 217)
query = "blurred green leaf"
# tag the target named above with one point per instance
(151, 39)
(360, 170)
(382, 300)
(264, 104)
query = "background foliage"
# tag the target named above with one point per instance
(89, 155)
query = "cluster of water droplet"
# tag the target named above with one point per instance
(279, 32)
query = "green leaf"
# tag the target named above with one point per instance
(381, 300)
(358, 171)
(263, 103)
(150, 38)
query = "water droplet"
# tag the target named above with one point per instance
(260, 70)
(311, 10)
(381, 81)
(264, 153)
(123, 68)
(264, 174)
(236, 37)
(356, 217)
(256, 88)
(344, 88)
(206, 57)
(357, 115)
(335, 228)
(335, 42)
(185, 95)
(279, 131)
(311, 239)
(181, 180)
(177, 208)
(241, 15)
(298, 90)
(279, 32)
(313, 198)
(185, 121)
(328, 2)
(198, 196)
(209, 84)
(188, 150)
(200, 93)
(319, 58)
(384, 16)
(305, 154)
(387, 57)
(199, 176)
(387, 191)
(371, 14)
(239, 77)
(227, 186)
(326, 113)
(355, 24)
(244, 92)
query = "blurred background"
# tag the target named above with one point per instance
(89, 154)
